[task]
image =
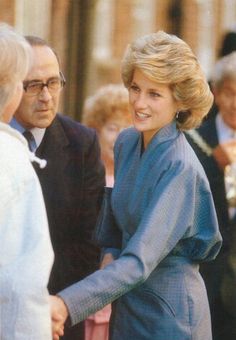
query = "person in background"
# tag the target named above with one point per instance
(159, 220)
(215, 145)
(108, 112)
(73, 181)
(26, 254)
(228, 45)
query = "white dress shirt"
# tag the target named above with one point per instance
(37, 133)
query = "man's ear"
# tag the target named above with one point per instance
(216, 93)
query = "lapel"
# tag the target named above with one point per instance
(54, 148)
(209, 133)
(53, 141)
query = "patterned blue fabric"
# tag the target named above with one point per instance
(163, 209)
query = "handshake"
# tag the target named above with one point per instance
(59, 314)
(59, 310)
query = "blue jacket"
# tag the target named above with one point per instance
(165, 224)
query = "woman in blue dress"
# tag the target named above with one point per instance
(159, 221)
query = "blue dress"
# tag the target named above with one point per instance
(162, 224)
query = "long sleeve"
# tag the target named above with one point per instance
(163, 225)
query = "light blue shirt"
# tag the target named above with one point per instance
(36, 132)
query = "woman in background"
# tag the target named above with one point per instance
(108, 112)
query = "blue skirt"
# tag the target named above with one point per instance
(172, 304)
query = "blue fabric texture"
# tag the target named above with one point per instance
(163, 209)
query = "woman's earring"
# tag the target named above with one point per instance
(177, 115)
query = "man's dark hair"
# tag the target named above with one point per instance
(37, 41)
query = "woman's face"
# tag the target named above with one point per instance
(108, 134)
(153, 105)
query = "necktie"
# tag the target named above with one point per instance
(30, 139)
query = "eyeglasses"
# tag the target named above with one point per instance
(34, 88)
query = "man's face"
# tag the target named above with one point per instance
(225, 98)
(39, 110)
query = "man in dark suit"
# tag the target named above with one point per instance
(215, 145)
(73, 179)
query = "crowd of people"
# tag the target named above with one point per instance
(121, 226)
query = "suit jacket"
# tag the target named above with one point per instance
(220, 274)
(72, 185)
(215, 176)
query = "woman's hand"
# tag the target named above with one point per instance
(59, 314)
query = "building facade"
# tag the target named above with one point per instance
(91, 35)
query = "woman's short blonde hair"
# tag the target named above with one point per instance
(166, 59)
(109, 101)
(15, 58)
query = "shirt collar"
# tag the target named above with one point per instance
(224, 132)
(36, 132)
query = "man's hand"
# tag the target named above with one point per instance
(59, 314)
